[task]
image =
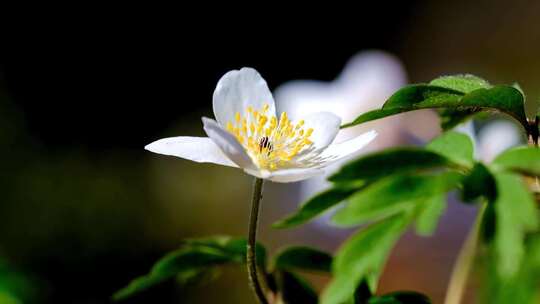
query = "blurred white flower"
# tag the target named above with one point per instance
(366, 82)
(493, 138)
(248, 134)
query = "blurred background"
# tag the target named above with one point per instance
(84, 208)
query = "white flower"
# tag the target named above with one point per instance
(365, 83)
(247, 134)
(493, 138)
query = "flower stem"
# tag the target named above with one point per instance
(462, 267)
(251, 257)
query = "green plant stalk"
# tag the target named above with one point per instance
(464, 262)
(251, 257)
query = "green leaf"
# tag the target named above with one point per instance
(521, 159)
(487, 228)
(185, 263)
(392, 195)
(192, 262)
(429, 213)
(401, 297)
(364, 253)
(450, 118)
(455, 146)
(390, 162)
(520, 288)
(374, 115)
(302, 258)
(410, 98)
(479, 183)
(234, 248)
(463, 83)
(504, 99)
(314, 207)
(294, 289)
(518, 87)
(515, 215)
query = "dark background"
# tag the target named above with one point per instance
(81, 96)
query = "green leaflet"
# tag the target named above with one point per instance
(302, 258)
(192, 262)
(521, 159)
(410, 98)
(294, 289)
(455, 146)
(363, 254)
(450, 118)
(522, 287)
(462, 83)
(465, 83)
(392, 195)
(389, 162)
(504, 99)
(479, 183)
(516, 215)
(314, 207)
(429, 212)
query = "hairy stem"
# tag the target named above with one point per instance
(462, 266)
(251, 257)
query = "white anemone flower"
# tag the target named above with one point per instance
(247, 134)
(366, 81)
(493, 138)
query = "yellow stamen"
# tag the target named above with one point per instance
(272, 143)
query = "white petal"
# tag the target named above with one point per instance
(293, 175)
(325, 128)
(197, 149)
(227, 143)
(237, 90)
(347, 148)
(497, 137)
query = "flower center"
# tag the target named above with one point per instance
(272, 144)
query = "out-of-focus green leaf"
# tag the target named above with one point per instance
(390, 162)
(185, 263)
(294, 289)
(15, 285)
(7, 298)
(235, 248)
(302, 258)
(519, 288)
(315, 207)
(520, 159)
(504, 99)
(362, 294)
(465, 83)
(455, 146)
(479, 182)
(192, 261)
(487, 229)
(392, 195)
(430, 210)
(515, 216)
(364, 253)
(401, 297)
